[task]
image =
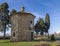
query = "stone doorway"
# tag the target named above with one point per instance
(32, 37)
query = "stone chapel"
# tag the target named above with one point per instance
(22, 25)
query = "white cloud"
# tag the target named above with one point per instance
(58, 32)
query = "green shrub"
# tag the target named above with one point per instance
(53, 37)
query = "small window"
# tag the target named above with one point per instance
(14, 34)
(29, 28)
(31, 22)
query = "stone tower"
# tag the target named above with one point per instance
(22, 25)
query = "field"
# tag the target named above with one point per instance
(31, 43)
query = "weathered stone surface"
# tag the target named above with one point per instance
(21, 24)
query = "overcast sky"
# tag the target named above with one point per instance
(39, 8)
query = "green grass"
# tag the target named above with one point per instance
(31, 43)
(8, 43)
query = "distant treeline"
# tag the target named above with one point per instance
(7, 37)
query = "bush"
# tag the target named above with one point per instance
(52, 37)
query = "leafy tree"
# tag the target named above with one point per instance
(37, 28)
(47, 23)
(41, 27)
(4, 17)
(13, 12)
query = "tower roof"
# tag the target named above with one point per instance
(22, 11)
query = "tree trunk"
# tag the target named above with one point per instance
(48, 34)
(36, 34)
(41, 33)
(4, 35)
(45, 34)
(4, 30)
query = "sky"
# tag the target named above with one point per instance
(39, 8)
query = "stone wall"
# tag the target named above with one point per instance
(20, 26)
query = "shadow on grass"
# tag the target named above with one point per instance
(8, 41)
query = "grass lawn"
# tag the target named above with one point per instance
(32, 43)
